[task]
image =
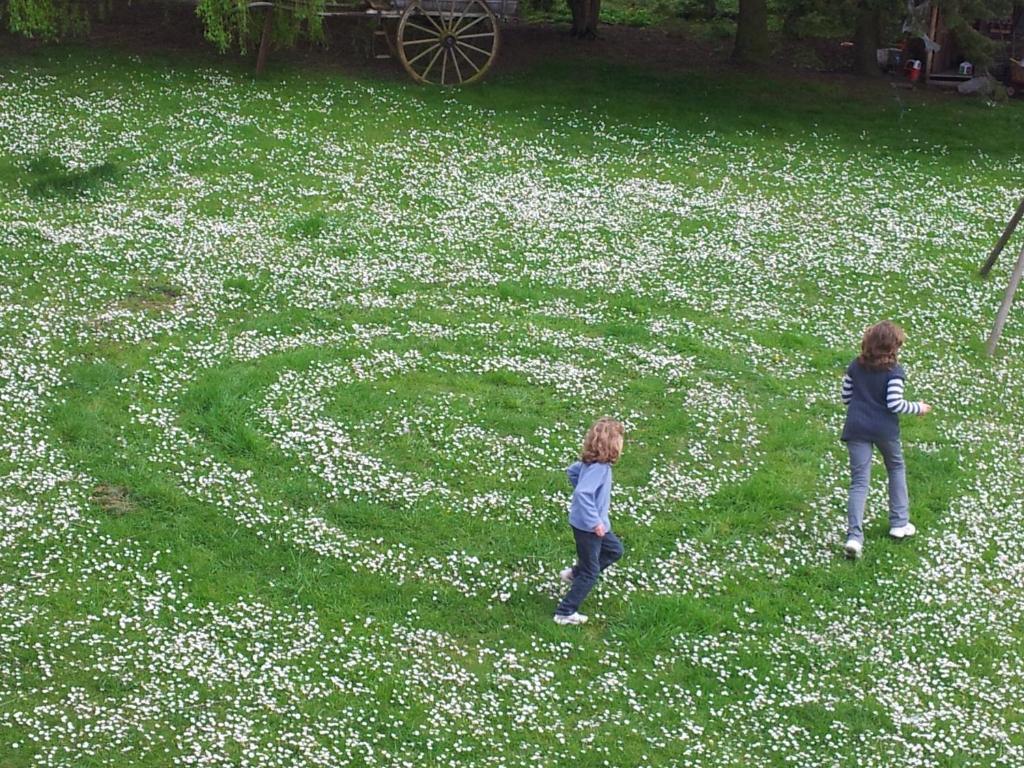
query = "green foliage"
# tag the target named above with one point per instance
(47, 19)
(630, 15)
(539, 8)
(959, 16)
(704, 9)
(225, 22)
(803, 19)
(232, 24)
(228, 24)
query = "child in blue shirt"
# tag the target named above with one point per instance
(596, 546)
(873, 395)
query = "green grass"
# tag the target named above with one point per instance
(296, 364)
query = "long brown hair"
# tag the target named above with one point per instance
(880, 345)
(603, 442)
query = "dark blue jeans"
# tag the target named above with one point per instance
(593, 554)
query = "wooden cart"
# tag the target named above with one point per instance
(1015, 86)
(438, 42)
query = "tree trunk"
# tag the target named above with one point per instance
(752, 33)
(261, 56)
(585, 14)
(710, 9)
(578, 9)
(866, 35)
(594, 13)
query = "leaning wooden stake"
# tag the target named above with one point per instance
(261, 57)
(1004, 309)
(987, 266)
(929, 55)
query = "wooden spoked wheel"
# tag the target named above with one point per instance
(450, 42)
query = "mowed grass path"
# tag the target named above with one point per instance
(293, 368)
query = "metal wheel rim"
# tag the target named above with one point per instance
(453, 44)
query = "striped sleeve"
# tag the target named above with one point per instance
(847, 393)
(894, 398)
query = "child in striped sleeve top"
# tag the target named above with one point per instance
(873, 395)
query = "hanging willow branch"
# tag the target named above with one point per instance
(231, 23)
(46, 19)
(228, 24)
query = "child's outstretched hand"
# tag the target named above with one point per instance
(925, 408)
(599, 530)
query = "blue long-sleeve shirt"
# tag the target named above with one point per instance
(591, 495)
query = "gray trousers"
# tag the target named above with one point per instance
(860, 477)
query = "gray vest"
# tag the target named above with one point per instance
(868, 417)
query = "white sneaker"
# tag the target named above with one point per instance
(572, 618)
(853, 549)
(566, 575)
(903, 532)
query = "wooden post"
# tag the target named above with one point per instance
(1004, 309)
(261, 57)
(933, 29)
(1014, 221)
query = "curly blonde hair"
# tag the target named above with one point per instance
(603, 442)
(880, 345)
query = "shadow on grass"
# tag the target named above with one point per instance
(52, 178)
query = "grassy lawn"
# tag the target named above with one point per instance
(292, 369)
